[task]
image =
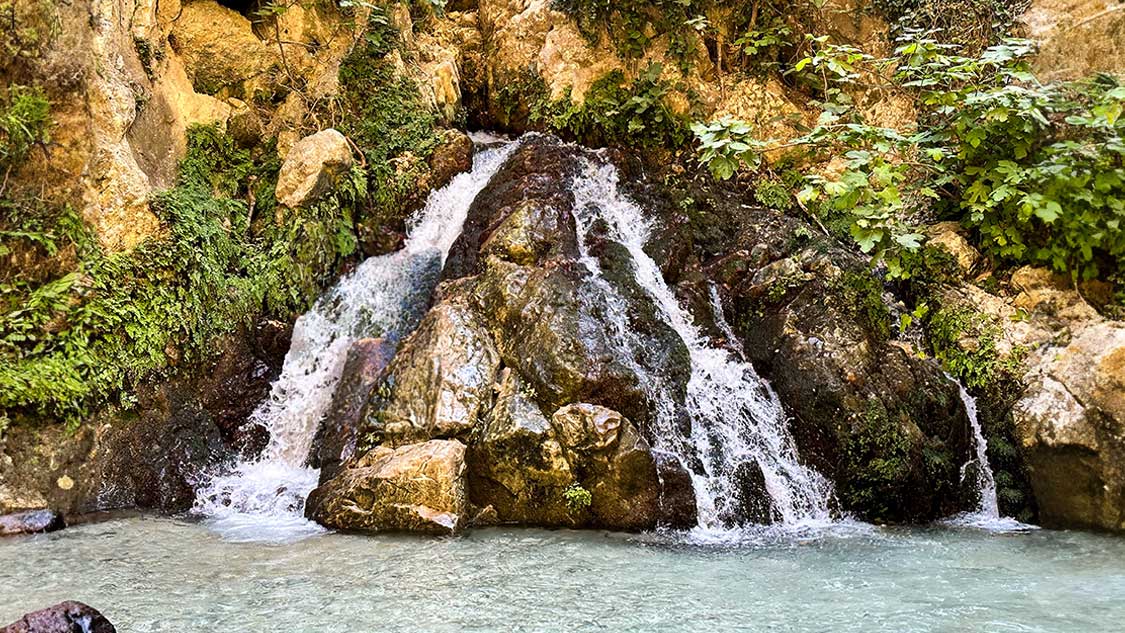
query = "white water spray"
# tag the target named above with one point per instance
(263, 499)
(989, 508)
(737, 419)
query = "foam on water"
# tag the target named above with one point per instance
(737, 419)
(263, 498)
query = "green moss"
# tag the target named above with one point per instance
(876, 452)
(86, 337)
(25, 121)
(577, 498)
(387, 118)
(774, 194)
(862, 295)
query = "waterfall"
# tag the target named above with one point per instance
(989, 507)
(737, 421)
(987, 514)
(263, 498)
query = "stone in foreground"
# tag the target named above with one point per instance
(65, 617)
(30, 522)
(413, 488)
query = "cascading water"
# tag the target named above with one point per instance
(737, 420)
(263, 499)
(989, 508)
(987, 515)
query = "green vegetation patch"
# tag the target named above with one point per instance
(85, 337)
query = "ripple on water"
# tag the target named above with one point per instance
(151, 574)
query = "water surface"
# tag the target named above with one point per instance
(149, 574)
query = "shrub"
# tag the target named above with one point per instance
(25, 121)
(577, 498)
(1036, 170)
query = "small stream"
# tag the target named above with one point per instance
(161, 575)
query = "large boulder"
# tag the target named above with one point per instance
(888, 426)
(440, 382)
(1071, 421)
(520, 328)
(65, 617)
(413, 488)
(312, 166)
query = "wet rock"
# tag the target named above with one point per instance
(65, 617)
(414, 488)
(548, 325)
(454, 156)
(884, 423)
(30, 522)
(335, 442)
(148, 457)
(1062, 367)
(615, 464)
(516, 465)
(524, 215)
(440, 382)
(311, 167)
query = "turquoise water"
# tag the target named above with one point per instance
(149, 574)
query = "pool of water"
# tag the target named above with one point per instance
(155, 574)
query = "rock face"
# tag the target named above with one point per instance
(1078, 38)
(311, 167)
(887, 426)
(148, 458)
(219, 47)
(509, 340)
(414, 488)
(1068, 409)
(30, 522)
(65, 617)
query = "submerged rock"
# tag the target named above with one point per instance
(65, 617)
(30, 522)
(412, 488)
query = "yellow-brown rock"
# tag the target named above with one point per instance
(414, 488)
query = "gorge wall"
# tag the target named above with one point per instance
(278, 209)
